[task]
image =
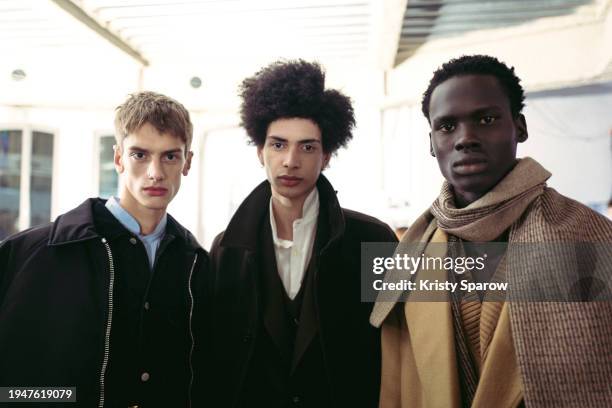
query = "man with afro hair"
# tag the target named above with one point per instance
(290, 329)
(539, 343)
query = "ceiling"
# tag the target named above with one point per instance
(425, 20)
(194, 32)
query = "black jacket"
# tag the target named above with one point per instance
(60, 287)
(350, 347)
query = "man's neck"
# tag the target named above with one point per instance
(286, 211)
(464, 198)
(147, 218)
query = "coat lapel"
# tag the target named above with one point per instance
(430, 327)
(307, 328)
(274, 311)
(495, 389)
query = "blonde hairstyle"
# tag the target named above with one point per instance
(162, 112)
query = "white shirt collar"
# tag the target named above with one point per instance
(310, 212)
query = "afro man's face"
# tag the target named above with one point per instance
(293, 157)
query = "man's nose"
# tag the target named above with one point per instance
(292, 158)
(467, 138)
(155, 171)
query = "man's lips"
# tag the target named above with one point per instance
(469, 166)
(289, 181)
(156, 191)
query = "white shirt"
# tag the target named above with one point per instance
(150, 241)
(292, 257)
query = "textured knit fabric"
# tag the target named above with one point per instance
(563, 346)
(488, 217)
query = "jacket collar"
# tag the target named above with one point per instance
(78, 225)
(244, 227)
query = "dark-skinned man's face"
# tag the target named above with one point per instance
(473, 134)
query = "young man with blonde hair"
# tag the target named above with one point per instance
(102, 299)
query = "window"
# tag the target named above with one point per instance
(40, 177)
(108, 179)
(10, 181)
(26, 172)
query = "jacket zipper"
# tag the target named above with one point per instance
(195, 259)
(108, 322)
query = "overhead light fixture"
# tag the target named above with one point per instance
(195, 82)
(18, 75)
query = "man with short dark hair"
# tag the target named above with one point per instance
(102, 299)
(290, 329)
(545, 345)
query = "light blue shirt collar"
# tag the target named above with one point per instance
(151, 241)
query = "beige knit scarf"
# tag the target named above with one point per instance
(492, 214)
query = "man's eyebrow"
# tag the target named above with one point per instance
(303, 141)
(476, 112)
(440, 119)
(485, 109)
(138, 149)
(309, 141)
(143, 150)
(277, 138)
(173, 151)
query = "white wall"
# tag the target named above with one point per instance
(570, 136)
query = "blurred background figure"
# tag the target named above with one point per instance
(67, 64)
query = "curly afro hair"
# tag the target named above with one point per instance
(478, 65)
(295, 89)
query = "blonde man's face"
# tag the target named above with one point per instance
(151, 165)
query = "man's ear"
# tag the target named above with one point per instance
(431, 150)
(260, 155)
(187, 165)
(326, 159)
(118, 158)
(521, 128)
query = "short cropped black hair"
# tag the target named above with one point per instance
(295, 89)
(478, 65)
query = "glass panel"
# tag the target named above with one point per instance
(40, 180)
(10, 170)
(109, 179)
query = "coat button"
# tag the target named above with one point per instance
(146, 305)
(295, 399)
(133, 241)
(145, 377)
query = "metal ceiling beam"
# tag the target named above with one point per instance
(388, 22)
(82, 16)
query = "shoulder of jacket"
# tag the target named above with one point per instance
(217, 242)
(369, 224)
(30, 239)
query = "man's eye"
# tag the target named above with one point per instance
(170, 156)
(308, 148)
(277, 145)
(487, 120)
(447, 127)
(138, 155)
